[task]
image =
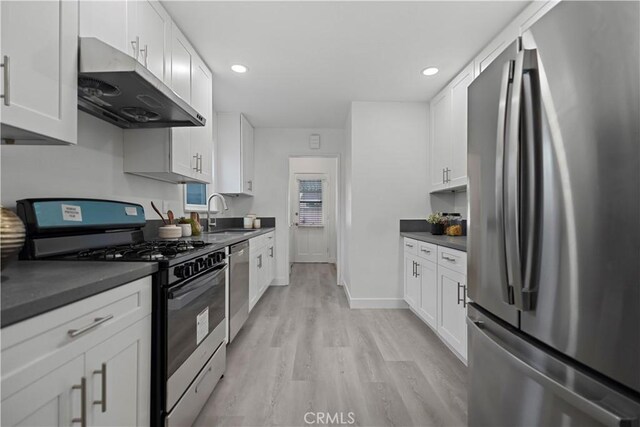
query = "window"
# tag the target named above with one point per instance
(310, 203)
(195, 197)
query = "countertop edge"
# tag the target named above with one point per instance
(33, 308)
(425, 236)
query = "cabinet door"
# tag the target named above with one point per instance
(452, 310)
(154, 29)
(50, 401)
(246, 136)
(119, 371)
(202, 137)
(440, 138)
(458, 174)
(181, 63)
(429, 292)
(254, 279)
(411, 281)
(109, 22)
(40, 40)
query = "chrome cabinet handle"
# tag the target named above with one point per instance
(96, 322)
(5, 81)
(448, 178)
(443, 179)
(136, 47)
(200, 163)
(271, 252)
(462, 299)
(145, 49)
(425, 251)
(259, 261)
(196, 159)
(448, 258)
(83, 402)
(102, 402)
(417, 269)
(250, 182)
(409, 245)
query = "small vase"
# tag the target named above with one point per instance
(12, 236)
(437, 229)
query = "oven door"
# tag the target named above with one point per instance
(195, 328)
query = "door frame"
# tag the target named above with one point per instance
(328, 227)
(339, 202)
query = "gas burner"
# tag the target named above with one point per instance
(155, 250)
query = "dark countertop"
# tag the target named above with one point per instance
(30, 288)
(453, 242)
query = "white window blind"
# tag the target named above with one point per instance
(310, 203)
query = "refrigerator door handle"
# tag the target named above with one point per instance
(531, 172)
(507, 78)
(605, 415)
(512, 223)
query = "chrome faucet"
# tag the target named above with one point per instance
(211, 223)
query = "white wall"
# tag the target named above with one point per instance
(92, 169)
(273, 148)
(389, 175)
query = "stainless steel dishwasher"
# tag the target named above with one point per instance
(238, 287)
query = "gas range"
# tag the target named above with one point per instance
(189, 315)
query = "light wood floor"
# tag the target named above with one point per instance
(303, 350)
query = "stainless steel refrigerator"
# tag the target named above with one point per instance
(554, 229)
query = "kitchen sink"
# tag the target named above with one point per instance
(229, 232)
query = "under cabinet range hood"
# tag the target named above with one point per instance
(115, 87)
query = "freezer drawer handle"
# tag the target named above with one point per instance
(603, 415)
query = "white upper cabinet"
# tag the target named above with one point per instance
(202, 101)
(154, 28)
(140, 28)
(235, 154)
(181, 64)
(440, 138)
(39, 72)
(449, 134)
(180, 154)
(110, 21)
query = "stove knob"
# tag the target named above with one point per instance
(196, 267)
(179, 272)
(210, 262)
(187, 270)
(220, 257)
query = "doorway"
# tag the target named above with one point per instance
(313, 209)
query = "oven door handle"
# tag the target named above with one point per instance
(176, 292)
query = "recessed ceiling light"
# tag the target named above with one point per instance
(430, 71)
(239, 68)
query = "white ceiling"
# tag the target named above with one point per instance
(308, 60)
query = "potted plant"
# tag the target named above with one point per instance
(437, 222)
(189, 227)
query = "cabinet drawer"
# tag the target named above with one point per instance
(410, 246)
(35, 346)
(452, 259)
(428, 251)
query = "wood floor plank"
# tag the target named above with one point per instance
(303, 350)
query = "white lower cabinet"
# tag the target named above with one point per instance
(452, 309)
(428, 306)
(436, 292)
(87, 363)
(261, 266)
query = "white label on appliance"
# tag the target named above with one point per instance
(202, 325)
(71, 213)
(131, 210)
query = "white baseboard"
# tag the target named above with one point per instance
(280, 281)
(356, 303)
